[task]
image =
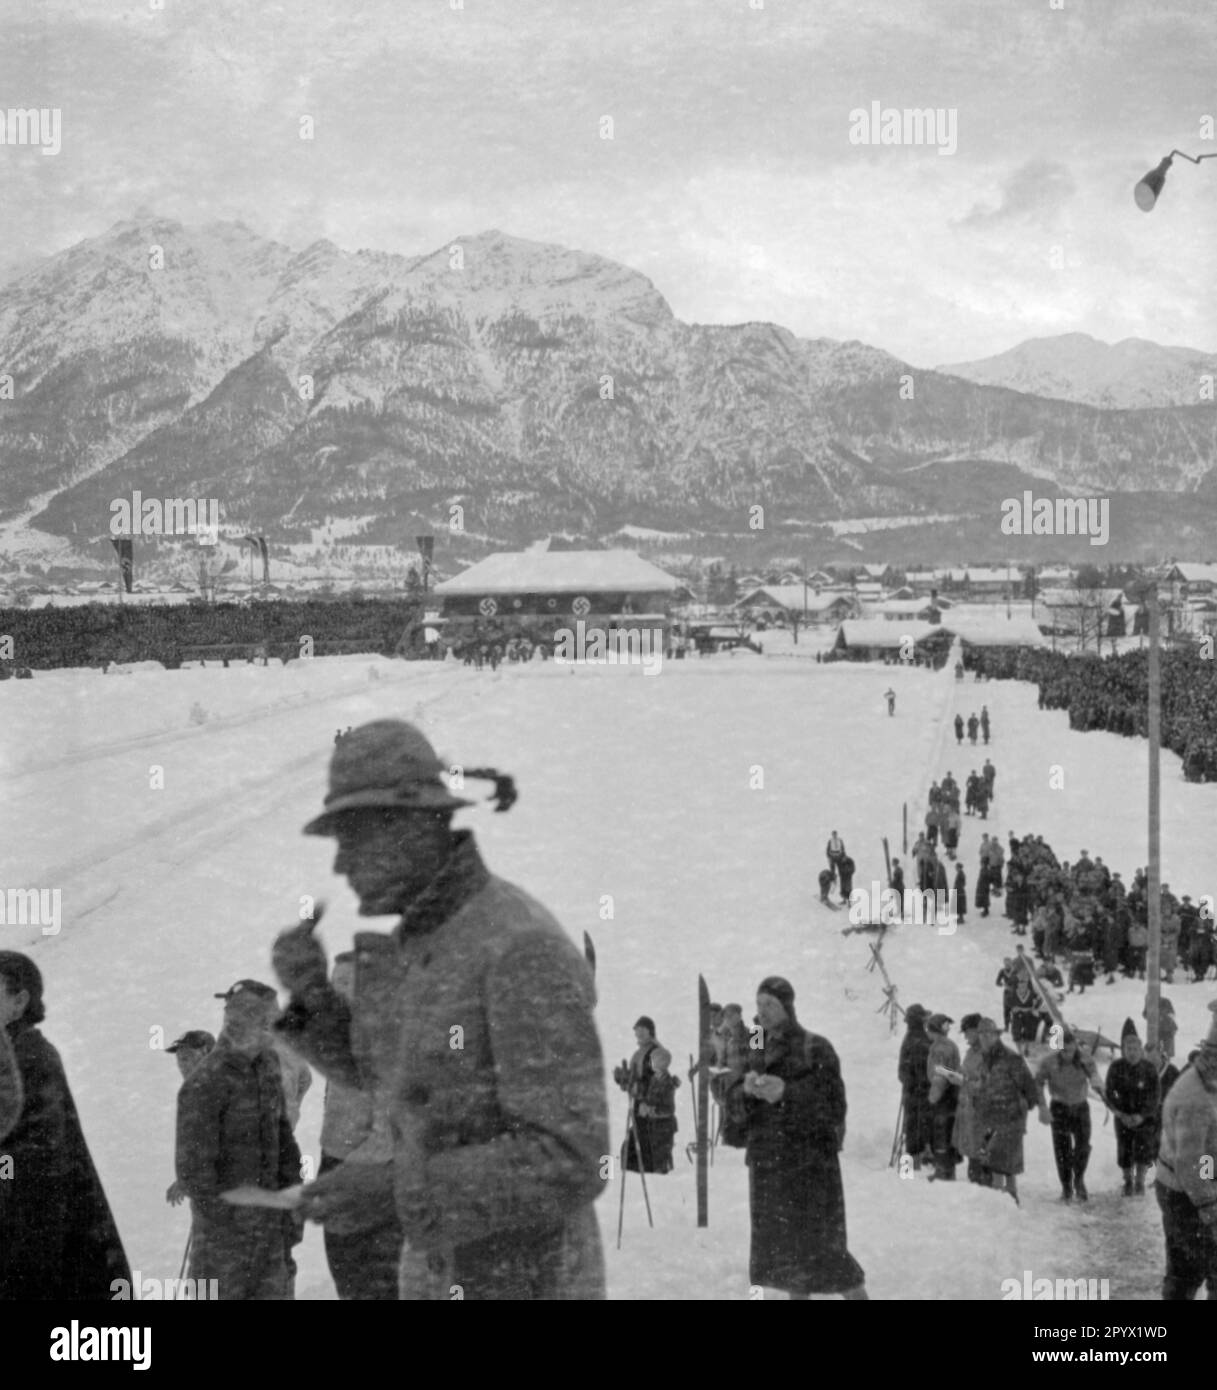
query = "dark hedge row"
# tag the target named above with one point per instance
(95, 634)
(1113, 695)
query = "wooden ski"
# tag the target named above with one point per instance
(706, 1050)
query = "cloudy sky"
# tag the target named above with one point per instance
(730, 179)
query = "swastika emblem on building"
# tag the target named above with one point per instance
(488, 608)
(581, 607)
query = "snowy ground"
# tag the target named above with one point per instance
(699, 799)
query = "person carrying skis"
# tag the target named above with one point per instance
(1065, 1076)
(896, 881)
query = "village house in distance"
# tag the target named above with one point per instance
(538, 594)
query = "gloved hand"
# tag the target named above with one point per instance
(298, 956)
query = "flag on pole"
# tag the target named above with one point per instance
(125, 548)
(259, 544)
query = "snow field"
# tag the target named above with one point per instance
(693, 806)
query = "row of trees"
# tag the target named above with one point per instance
(96, 634)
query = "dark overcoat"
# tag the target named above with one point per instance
(797, 1201)
(58, 1239)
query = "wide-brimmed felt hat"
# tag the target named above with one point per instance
(387, 764)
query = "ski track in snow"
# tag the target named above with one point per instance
(640, 789)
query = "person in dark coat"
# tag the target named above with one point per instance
(960, 889)
(945, 1077)
(896, 882)
(989, 773)
(1131, 1087)
(959, 728)
(796, 1127)
(914, 1081)
(471, 1028)
(1185, 1185)
(652, 1088)
(1006, 1092)
(12, 1093)
(233, 1131)
(983, 880)
(984, 722)
(58, 1240)
(846, 869)
(973, 725)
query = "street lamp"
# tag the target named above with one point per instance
(1146, 192)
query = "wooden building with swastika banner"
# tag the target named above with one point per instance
(538, 593)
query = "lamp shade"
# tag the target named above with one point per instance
(1146, 192)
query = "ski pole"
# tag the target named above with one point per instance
(641, 1169)
(625, 1165)
(891, 1163)
(693, 1091)
(185, 1256)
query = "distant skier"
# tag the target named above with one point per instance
(897, 879)
(890, 697)
(835, 850)
(959, 728)
(984, 722)
(973, 726)
(652, 1088)
(846, 870)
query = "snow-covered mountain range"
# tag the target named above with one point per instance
(535, 387)
(1130, 375)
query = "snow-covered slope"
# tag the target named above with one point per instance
(643, 789)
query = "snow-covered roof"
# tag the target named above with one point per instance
(982, 575)
(994, 630)
(559, 572)
(791, 597)
(1195, 574)
(878, 632)
(910, 606)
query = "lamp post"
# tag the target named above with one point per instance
(1146, 192)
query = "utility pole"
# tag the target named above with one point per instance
(1153, 988)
